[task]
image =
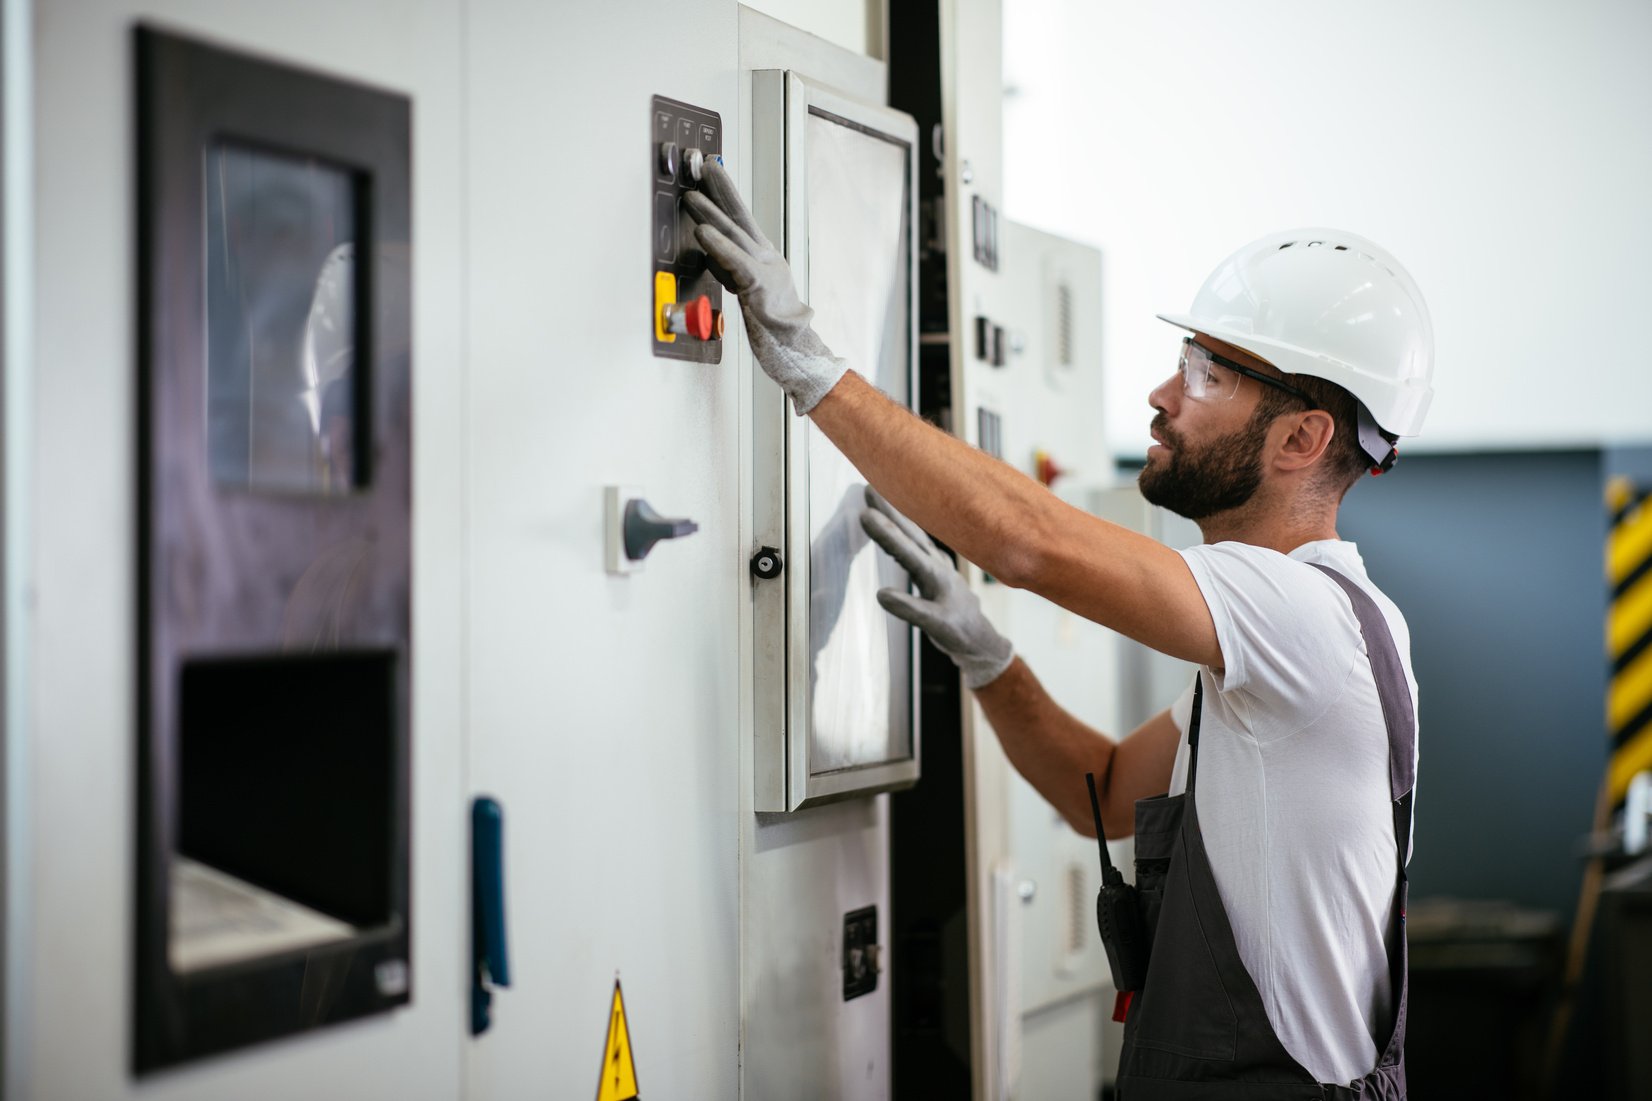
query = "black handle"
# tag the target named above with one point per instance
(490, 961)
(644, 527)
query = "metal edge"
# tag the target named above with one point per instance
(795, 247)
(954, 20)
(16, 402)
(913, 375)
(768, 410)
(853, 783)
(888, 120)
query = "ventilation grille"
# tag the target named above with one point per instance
(1064, 324)
(1078, 912)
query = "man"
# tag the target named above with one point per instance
(1277, 890)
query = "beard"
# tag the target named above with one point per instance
(1203, 481)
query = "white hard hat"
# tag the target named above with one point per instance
(1331, 304)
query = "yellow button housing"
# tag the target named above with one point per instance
(665, 294)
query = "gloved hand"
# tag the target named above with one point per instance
(777, 321)
(944, 608)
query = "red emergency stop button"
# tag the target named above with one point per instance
(698, 316)
(694, 318)
(1046, 468)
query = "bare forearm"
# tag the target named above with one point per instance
(913, 464)
(1053, 749)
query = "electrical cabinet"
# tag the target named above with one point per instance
(809, 878)
(1052, 387)
(834, 185)
(601, 708)
(221, 700)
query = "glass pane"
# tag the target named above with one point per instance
(281, 332)
(861, 674)
(285, 820)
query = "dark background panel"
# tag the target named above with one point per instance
(1496, 561)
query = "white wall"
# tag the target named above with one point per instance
(853, 24)
(1499, 149)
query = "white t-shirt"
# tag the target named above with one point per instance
(1293, 794)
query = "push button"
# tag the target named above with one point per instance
(695, 318)
(665, 227)
(1046, 469)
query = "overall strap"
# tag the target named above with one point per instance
(1398, 713)
(1193, 731)
(1401, 719)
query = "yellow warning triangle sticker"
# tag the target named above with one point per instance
(619, 1073)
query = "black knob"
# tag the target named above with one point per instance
(644, 527)
(766, 564)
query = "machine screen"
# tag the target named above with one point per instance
(859, 286)
(282, 397)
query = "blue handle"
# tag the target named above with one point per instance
(490, 960)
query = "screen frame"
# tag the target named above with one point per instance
(785, 776)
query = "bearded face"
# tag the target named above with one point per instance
(1200, 480)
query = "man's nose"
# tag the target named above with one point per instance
(1167, 395)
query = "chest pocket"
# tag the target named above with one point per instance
(1155, 836)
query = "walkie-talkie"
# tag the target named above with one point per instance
(1117, 914)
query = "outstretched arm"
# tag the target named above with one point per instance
(1015, 529)
(1054, 750)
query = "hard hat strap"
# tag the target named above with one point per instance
(1382, 454)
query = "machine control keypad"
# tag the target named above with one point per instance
(687, 324)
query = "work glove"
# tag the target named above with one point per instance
(944, 608)
(777, 321)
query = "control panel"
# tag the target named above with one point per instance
(686, 300)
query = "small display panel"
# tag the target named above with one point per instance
(859, 207)
(283, 401)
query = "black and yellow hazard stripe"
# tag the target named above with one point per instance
(1629, 635)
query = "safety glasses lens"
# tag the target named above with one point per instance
(1204, 379)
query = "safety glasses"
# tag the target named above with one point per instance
(1210, 377)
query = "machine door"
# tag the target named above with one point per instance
(601, 692)
(834, 185)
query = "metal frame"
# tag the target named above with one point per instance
(17, 436)
(785, 781)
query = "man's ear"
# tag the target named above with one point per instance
(1304, 438)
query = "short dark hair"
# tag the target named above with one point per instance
(1345, 462)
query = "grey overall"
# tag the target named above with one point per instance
(1198, 1028)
